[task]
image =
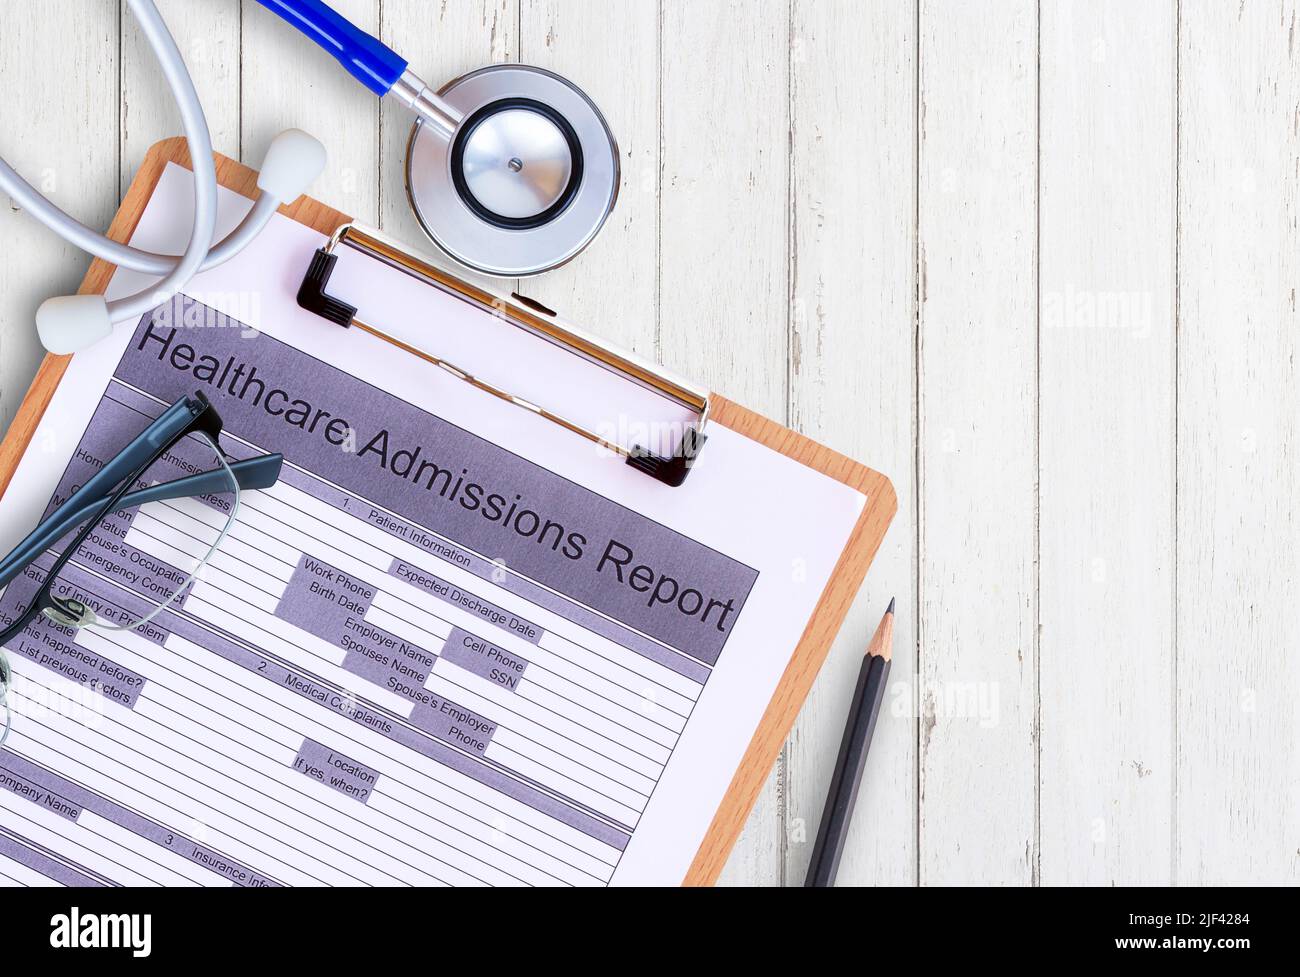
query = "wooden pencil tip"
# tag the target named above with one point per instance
(890, 608)
(882, 642)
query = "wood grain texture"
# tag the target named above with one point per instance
(208, 36)
(852, 384)
(978, 439)
(288, 82)
(59, 132)
(1238, 430)
(441, 41)
(723, 195)
(787, 198)
(612, 51)
(744, 797)
(1106, 308)
(230, 174)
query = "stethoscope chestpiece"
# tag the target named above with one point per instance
(526, 181)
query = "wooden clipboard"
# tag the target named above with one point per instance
(811, 651)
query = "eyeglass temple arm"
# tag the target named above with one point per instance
(100, 486)
(162, 431)
(253, 473)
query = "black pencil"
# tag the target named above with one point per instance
(843, 793)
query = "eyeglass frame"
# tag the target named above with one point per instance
(97, 497)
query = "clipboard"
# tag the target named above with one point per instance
(834, 602)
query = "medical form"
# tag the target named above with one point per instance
(455, 645)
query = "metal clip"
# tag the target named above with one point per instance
(524, 313)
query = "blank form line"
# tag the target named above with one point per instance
(72, 841)
(307, 651)
(269, 493)
(340, 529)
(154, 861)
(489, 764)
(289, 786)
(455, 545)
(63, 860)
(299, 734)
(387, 714)
(352, 742)
(504, 707)
(226, 555)
(188, 797)
(379, 588)
(217, 569)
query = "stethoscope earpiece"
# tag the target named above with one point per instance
(71, 323)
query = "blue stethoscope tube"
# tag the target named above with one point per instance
(369, 60)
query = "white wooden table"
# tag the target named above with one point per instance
(1038, 262)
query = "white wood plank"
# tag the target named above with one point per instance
(289, 82)
(1238, 431)
(58, 70)
(611, 51)
(207, 35)
(760, 250)
(1107, 464)
(977, 441)
(723, 293)
(441, 42)
(853, 380)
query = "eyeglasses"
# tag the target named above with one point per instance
(175, 464)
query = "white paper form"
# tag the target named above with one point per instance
(454, 645)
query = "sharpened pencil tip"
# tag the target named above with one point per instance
(890, 608)
(882, 641)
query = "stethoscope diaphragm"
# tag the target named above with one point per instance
(527, 180)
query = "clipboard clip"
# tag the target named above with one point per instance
(526, 314)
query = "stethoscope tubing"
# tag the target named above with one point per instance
(69, 323)
(100, 245)
(366, 58)
(200, 254)
(175, 272)
(195, 124)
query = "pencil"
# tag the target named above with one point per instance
(843, 793)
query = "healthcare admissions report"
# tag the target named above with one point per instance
(454, 645)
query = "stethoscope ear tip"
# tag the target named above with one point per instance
(70, 323)
(291, 165)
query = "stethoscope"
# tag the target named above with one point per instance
(510, 169)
